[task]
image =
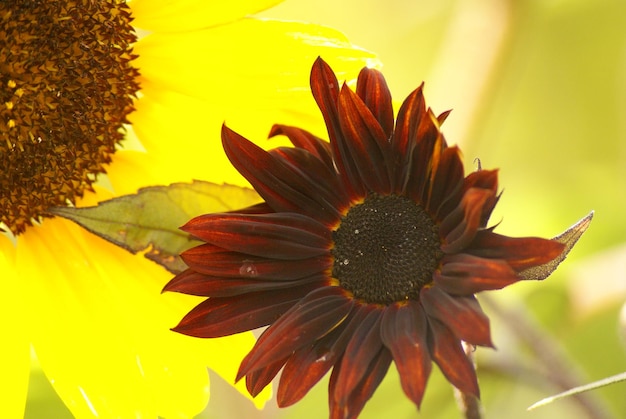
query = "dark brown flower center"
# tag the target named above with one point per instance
(385, 249)
(66, 88)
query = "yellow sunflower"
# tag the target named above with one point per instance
(81, 97)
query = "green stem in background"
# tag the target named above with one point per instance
(580, 389)
(549, 352)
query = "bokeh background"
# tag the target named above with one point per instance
(538, 89)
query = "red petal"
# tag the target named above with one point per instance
(218, 317)
(447, 352)
(430, 144)
(404, 137)
(260, 208)
(307, 141)
(372, 89)
(308, 365)
(212, 260)
(315, 315)
(322, 182)
(403, 330)
(464, 274)
(443, 116)
(286, 236)
(366, 142)
(459, 228)
(360, 353)
(484, 179)
(365, 146)
(363, 391)
(325, 89)
(519, 252)
(447, 182)
(282, 188)
(257, 380)
(211, 286)
(462, 315)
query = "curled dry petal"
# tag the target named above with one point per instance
(568, 238)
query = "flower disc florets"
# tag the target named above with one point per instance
(66, 88)
(385, 249)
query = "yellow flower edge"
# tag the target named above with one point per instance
(146, 366)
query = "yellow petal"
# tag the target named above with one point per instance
(156, 15)
(15, 349)
(100, 328)
(251, 74)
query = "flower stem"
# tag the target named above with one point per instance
(468, 403)
(549, 352)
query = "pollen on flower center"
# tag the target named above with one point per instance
(66, 87)
(385, 249)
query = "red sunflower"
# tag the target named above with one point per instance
(367, 250)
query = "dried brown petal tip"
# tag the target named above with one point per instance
(568, 238)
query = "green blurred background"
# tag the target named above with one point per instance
(538, 89)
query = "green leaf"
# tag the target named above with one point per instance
(569, 238)
(149, 220)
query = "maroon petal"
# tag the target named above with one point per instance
(464, 274)
(260, 208)
(447, 351)
(366, 142)
(405, 135)
(321, 180)
(372, 89)
(443, 116)
(194, 283)
(286, 236)
(257, 380)
(360, 352)
(447, 183)
(282, 188)
(307, 141)
(218, 317)
(212, 260)
(325, 89)
(459, 228)
(430, 143)
(484, 179)
(403, 330)
(315, 315)
(373, 375)
(308, 365)
(519, 252)
(462, 315)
